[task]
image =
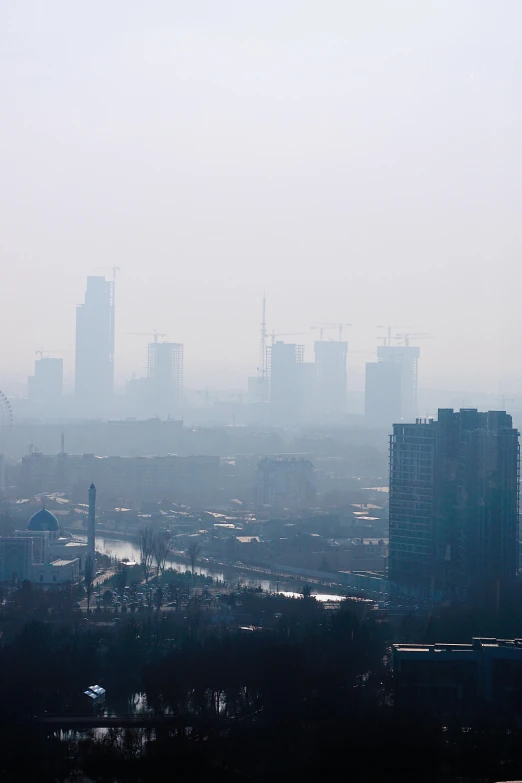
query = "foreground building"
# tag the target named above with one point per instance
(449, 677)
(454, 487)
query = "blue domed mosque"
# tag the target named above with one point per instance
(40, 554)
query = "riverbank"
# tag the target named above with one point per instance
(270, 580)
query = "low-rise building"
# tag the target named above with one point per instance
(459, 676)
(39, 554)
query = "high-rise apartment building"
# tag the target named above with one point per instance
(454, 486)
(383, 394)
(284, 362)
(46, 385)
(407, 356)
(330, 366)
(286, 482)
(165, 378)
(94, 372)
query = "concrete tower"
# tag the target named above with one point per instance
(91, 533)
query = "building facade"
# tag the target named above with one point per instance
(450, 677)
(454, 486)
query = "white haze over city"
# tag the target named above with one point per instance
(360, 161)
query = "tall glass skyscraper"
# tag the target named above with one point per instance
(94, 371)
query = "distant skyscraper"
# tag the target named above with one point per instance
(165, 377)
(382, 394)
(454, 486)
(308, 392)
(47, 382)
(330, 365)
(94, 376)
(285, 377)
(407, 356)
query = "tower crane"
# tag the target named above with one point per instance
(321, 328)
(42, 352)
(153, 334)
(330, 325)
(114, 269)
(273, 335)
(406, 336)
(388, 338)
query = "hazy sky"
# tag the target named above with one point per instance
(361, 160)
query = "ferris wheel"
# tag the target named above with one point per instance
(6, 412)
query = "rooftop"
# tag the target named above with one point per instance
(62, 563)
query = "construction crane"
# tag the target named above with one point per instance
(329, 325)
(153, 334)
(388, 338)
(406, 336)
(114, 269)
(321, 328)
(273, 335)
(42, 352)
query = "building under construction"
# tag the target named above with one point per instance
(165, 378)
(454, 488)
(330, 370)
(284, 365)
(407, 356)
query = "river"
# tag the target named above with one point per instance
(120, 549)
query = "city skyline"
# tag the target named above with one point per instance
(213, 374)
(358, 167)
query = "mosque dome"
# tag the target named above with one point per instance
(43, 520)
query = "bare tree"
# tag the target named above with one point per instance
(162, 541)
(89, 574)
(122, 573)
(107, 598)
(146, 542)
(193, 551)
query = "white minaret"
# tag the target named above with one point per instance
(91, 533)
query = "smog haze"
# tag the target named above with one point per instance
(361, 162)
